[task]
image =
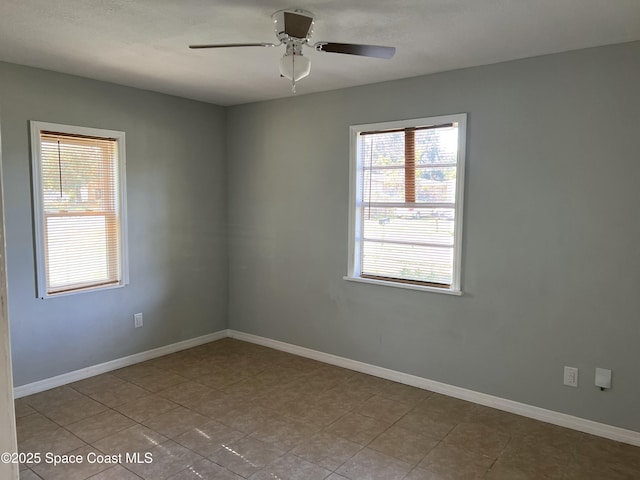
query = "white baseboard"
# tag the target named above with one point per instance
(70, 377)
(537, 413)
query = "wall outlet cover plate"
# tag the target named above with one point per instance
(603, 378)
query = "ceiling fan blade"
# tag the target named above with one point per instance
(297, 25)
(227, 45)
(353, 49)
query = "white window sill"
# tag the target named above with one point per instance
(82, 290)
(408, 286)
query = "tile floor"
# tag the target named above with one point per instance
(232, 410)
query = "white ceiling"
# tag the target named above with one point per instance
(143, 43)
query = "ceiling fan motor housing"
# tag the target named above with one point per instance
(293, 25)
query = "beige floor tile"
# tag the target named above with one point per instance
(194, 368)
(361, 382)
(623, 470)
(311, 384)
(543, 460)
(320, 416)
(248, 390)
(383, 408)
(176, 422)
(427, 423)
(326, 450)
(73, 411)
(283, 434)
(95, 384)
(208, 438)
(311, 397)
(452, 463)
(374, 465)
(206, 470)
(500, 472)
(246, 418)
(199, 394)
(171, 362)
(169, 458)
(501, 422)
(447, 409)
(117, 472)
(341, 396)
(279, 375)
(58, 441)
(281, 401)
(215, 406)
(186, 393)
(158, 381)
(135, 372)
(600, 467)
(405, 394)
(186, 361)
(253, 366)
(609, 451)
(33, 425)
(22, 409)
(332, 372)
(422, 474)
(291, 467)
(246, 456)
(542, 435)
(357, 428)
(29, 475)
(118, 394)
(301, 363)
(477, 438)
(134, 439)
(100, 426)
(335, 476)
(52, 398)
(143, 408)
(222, 377)
(405, 445)
(71, 471)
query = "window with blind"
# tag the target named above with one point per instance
(79, 208)
(407, 183)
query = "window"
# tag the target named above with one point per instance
(407, 182)
(79, 208)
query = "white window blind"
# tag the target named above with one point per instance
(79, 209)
(408, 203)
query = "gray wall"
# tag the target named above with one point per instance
(176, 219)
(550, 256)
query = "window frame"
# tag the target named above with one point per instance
(355, 202)
(36, 127)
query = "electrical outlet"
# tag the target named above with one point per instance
(137, 320)
(571, 376)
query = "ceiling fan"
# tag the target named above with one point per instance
(294, 28)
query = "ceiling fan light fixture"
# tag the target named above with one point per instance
(294, 66)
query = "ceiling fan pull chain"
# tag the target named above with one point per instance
(293, 71)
